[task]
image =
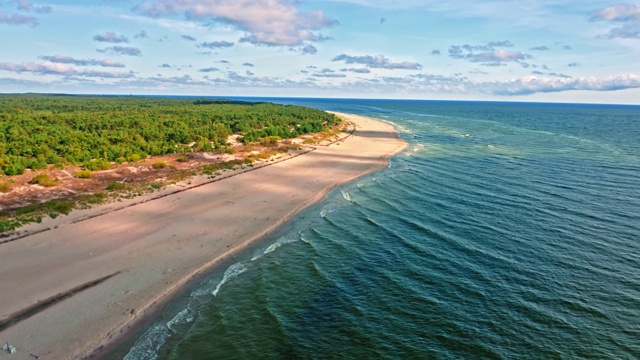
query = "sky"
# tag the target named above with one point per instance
(585, 51)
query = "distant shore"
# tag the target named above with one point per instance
(81, 286)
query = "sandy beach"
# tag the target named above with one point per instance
(70, 291)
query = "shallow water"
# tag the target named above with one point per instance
(503, 231)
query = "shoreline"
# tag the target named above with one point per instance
(158, 249)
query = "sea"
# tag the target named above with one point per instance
(503, 231)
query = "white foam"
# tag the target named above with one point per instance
(183, 317)
(280, 242)
(346, 195)
(328, 209)
(148, 346)
(232, 272)
(304, 239)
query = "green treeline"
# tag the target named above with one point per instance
(38, 130)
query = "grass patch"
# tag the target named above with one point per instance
(207, 169)
(159, 165)
(84, 174)
(8, 225)
(97, 198)
(53, 208)
(180, 175)
(27, 209)
(115, 186)
(44, 180)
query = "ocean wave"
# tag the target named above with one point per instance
(282, 241)
(186, 316)
(148, 346)
(232, 272)
(345, 195)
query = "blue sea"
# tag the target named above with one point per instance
(503, 231)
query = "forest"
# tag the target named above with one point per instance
(94, 131)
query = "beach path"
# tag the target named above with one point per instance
(71, 291)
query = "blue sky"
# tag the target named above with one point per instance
(564, 51)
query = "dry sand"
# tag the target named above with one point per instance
(88, 283)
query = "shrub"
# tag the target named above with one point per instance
(115, 186)
(5, 187)
(94, 165)
(7, 225)
(55, 207)
(97, 198)
(84, 174)
(269, 141)
(207, 169)
(182, 159)
(44, 180)
(133, 158)
(159, 165)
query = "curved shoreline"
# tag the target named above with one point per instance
(160, 247)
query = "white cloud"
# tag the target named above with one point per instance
(209, 69)
(26, 5)
(82, 62)
(180, 80)
(358, 70)
(17, 19)
(216, 44)
(533, 84)
(378, 61)
(309, 49)
(267, 22)
(540, 48)
(51, 68)
(616, 13)
(487, 54)
(111, 37)
(628, 31)
(121, 50)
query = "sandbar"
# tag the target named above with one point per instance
(74, 289)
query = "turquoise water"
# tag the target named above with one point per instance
(503, 231)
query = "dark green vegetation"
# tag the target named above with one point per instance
(52, 208)
(41, 130)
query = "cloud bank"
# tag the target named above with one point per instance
(111, 37)
(488, 55)
(26, 5)
(378, 61)
(628, 15)
(51, 68)
(60, 59)
(216, 44)
(17, 19)
(121, 50)
(266, 22)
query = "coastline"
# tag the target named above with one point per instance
(155, 249)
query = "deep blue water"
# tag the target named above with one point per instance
(504, 230)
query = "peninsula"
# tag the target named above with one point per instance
(87, 281)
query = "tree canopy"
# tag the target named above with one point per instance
(39, 130)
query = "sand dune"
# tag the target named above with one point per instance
(74, 289)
